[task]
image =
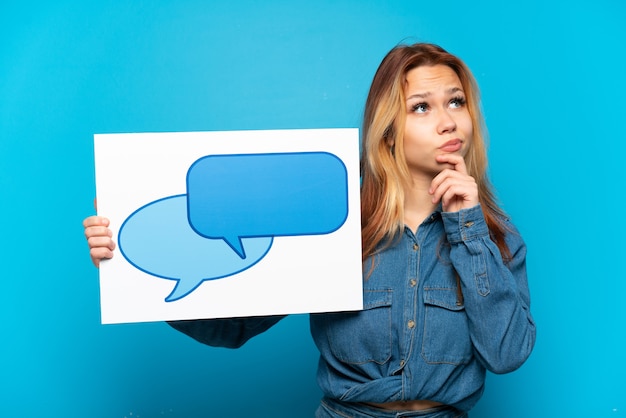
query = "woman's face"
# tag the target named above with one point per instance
(437, 121)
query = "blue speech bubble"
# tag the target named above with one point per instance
(158, 240)
(237, 197)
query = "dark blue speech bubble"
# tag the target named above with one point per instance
(233, 197)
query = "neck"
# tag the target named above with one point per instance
(418, 203)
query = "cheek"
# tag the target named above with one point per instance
(467, 128)
(465, 123)
(415, 135)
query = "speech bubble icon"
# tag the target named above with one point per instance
(233, 197)
(158, 240)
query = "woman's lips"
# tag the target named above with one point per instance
(451, 146)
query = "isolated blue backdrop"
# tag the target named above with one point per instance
(552, 80)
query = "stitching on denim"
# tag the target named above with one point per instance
(385, 307)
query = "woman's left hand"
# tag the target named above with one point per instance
(453, 186)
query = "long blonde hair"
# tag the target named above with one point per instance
(384, 171)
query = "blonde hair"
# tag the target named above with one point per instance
(384, 171)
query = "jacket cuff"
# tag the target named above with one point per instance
(464, 225)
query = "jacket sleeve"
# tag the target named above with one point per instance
(495, 293)
(229, 333)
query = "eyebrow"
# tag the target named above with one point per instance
(451, 90)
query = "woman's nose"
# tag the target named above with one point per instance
(446, 122)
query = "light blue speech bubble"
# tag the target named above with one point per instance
(237, 197)
(158, 240)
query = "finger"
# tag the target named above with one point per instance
(453, 159)
(444, 176)
(452, 194)
(98, 254)
(460, 195)
(95, 221)
(453, 184)
(98, 231)
(444, 193)
(101, 242)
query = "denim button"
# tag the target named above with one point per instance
(411, 324)
(413, 282)
(415, 247)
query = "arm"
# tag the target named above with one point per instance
(496, 295)
(229, 333)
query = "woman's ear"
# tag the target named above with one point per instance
(388, 136)
(391, 143)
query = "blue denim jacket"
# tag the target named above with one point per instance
(418, 336)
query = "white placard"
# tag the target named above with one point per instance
(229, 224)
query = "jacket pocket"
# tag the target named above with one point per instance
(362, 336)
(446, 331)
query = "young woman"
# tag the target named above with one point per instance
(445, 290)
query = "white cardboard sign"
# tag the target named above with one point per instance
(229, 224)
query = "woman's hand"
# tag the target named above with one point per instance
(453, 186)
(99, 238)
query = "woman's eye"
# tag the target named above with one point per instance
(420, 108)
(457, 102)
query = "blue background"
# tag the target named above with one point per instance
(552, 76)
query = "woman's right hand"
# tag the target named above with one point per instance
(99, 238)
